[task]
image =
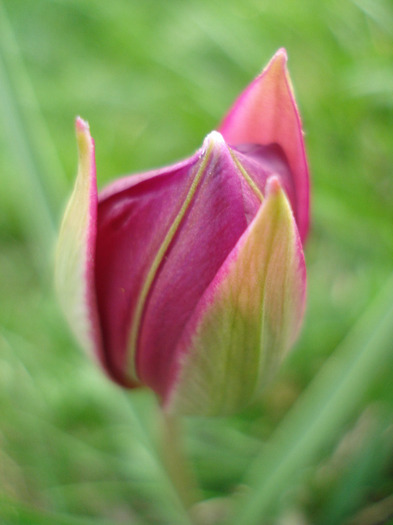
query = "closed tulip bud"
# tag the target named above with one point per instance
(191, 279)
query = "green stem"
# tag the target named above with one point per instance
(167, 483)
(175, 460)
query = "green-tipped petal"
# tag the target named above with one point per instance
(248, 318)
(75, 254)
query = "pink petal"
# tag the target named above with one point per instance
(75, 254)
(134, 216)
(266, 113)
(217, 215)
(246, 320)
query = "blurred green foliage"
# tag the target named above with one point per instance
(153, 78)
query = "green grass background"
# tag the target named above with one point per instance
(153, 78)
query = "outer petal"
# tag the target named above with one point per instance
(266, 113)
(248, 317)
(75, 254)
(217, 210)
(135, 216)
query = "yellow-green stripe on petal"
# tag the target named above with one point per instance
(247, 319)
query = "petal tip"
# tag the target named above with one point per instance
(84, 139)
(213, 141)
(281, 54)
(214, 138)
(278, 63)
(81, 125)
(273, 185)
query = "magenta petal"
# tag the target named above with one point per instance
(160, 242)
(134, 216)
(217, 215)
(247, 319)
(266, 113)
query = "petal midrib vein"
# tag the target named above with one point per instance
(246, 176)
(141, 302)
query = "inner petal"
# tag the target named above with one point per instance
(259, 161)
(131, 224)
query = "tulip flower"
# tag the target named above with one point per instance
(190, 279)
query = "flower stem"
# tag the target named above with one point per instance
(175, 461)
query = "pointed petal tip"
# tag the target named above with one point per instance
(81, 125)
(278, 62)
(273, 185)
(214, 138)
(281, 54)
(84, 139)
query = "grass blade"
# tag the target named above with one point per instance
(15, 513)
(40, 180)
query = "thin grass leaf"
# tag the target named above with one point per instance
(41, 180)
(368, 462)
(318, 415)
(15, 513)
(163, 478)
(379, 11)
